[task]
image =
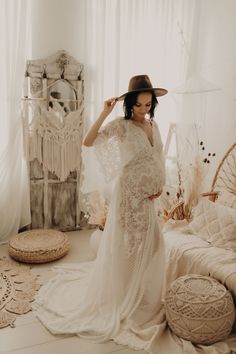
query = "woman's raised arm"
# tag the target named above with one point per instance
(93, 131)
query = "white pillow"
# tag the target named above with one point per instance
(214, 223)
(227, 198)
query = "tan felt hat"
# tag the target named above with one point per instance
(142, 83)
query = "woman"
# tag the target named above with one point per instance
(119, 295)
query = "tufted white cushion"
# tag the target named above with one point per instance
(214, 223)
(199, 309)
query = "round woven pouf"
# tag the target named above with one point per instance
(38, 246)
(199, 309)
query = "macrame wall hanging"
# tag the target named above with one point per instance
(52, 116)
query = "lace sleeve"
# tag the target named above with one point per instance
(107, 148)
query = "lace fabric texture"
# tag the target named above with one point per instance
(120, 142)
(123, 149)
(104, 299)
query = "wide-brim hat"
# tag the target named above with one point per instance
(142, 83)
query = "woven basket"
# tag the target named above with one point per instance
(199, 309)
(38, 246)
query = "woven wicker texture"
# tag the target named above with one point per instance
(18, 286)
(199, 309)
(38, 246)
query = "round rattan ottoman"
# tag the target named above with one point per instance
(38, 246)
(199, 309)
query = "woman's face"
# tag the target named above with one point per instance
(142, 105)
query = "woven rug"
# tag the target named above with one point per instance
(18, 286)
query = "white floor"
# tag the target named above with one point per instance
(30, 337)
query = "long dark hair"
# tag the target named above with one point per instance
(131, 99)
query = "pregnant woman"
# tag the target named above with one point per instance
(119, 295)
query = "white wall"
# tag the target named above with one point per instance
(56, 25)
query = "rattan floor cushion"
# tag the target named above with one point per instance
(199, 309)
(39, 246)
(18, 286)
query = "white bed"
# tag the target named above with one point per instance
(186, 254)
(208, 247)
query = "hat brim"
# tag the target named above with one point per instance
(157, 90)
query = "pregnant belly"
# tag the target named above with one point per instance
(142, 180)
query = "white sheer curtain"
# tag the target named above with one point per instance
(175, 42)
(126, 38)
(205, 101)
(14, 195)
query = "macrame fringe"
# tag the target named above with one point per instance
(57, 147)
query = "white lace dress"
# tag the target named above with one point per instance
(119, 295)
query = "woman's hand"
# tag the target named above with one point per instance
(109, 105)
(153, 196)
